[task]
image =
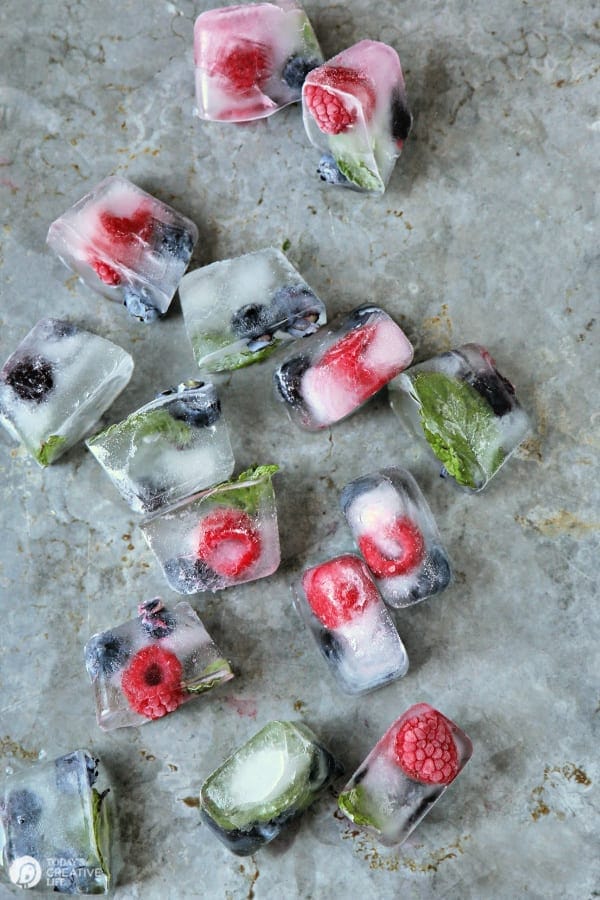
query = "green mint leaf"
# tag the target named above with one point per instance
(356, 806)
(286, 245)
(247, 497)
(220, 669)
(310, 39)
(101, 828)
(459, 426)
(359, 174)
(211, 345)
(50, 449)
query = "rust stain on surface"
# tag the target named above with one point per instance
(8, 747)
(560, 522)
(438, 330)
(193, 802)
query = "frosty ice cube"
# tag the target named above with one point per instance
(396, 533)
(339, 369)
(127, 245)
(407, 771)
(56, 386)
(218, 538)
(55, 823)
(466, 410)
(252, 60)
(238, 311)
(147, 667)
(348, 619)
(265, 784)
(355, 110)
(173, 446)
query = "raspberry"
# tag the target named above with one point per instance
(345, 362)
(104, 272)
(411, 549)
(229, 542)
(128, 229)
(245, 67)
(325, 103)
(339, 590)
(152, 683)
(425, 750)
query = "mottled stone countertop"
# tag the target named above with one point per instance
(485, 233)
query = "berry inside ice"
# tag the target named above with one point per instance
(229, 542)
(397, 548)
(425, 749)
(339, 590)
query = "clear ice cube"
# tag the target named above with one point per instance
(355, 110)
(55, 827)
(151, 665)
(57, 384)
(344, 611)
(407, 771)
(251, 60)
(126, 245)
(396, 533)
(218, 538)
(170, 448)
(265, 784)
(465, 409)
(238, 311)
(342, 367)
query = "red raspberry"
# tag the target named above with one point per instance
(344, 362)
(152, 682)
(425, 750)
(128, 229)
(229, 541)
(328, 107)
(104, 272)
(245, 67)
(411, 549)
(339, 590)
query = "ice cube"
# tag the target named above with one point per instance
(466, 410)
(218, 538)
(147, 667)
(265, 784)
(57, 384)
(127, 245)
(251, 60)
(355, 110)
(396, 533)
(54, 827)
(407, 771)
(170, 448)
(354, 631)
(341, 367)
(238, 311)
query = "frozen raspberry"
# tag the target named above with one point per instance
(128, 229)
(229, 542)
(346, 363)
(339, 590)
(332, 112)
(425, 750)
(105, 273)
(245, 67)
(152, 682)
(411, 549)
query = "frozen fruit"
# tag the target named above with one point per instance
(288, 379)
(408, 546)
(105, 272)
(297, 68)
(297, 307)
(425, 749)
(175, 240)
(24, 808)
(401, 119)
(251, 321)
(245, 66)
(339, 590)
(139, 303)
(229, 541)
(30, 378)
(335, 112)
(152, 682)
(157, 621)
(106, 653)
(68, 769)
(328, 170)
(189, 575)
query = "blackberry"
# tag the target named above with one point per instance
(296, 69)
(288, 379)
(175, 240)
(328, 170)
(138, 302)
(31, 378)
(106, 653)
(401, 119)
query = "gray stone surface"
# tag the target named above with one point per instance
(486, 233)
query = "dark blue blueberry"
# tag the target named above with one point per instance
(150, 494)
(197, 411)
(434, 577)
(138, 302)
(331, 647)
(157, 621)
(67, 770)
(23, 809)
(175, 240)
(359, 316)
(251, 321)
(187, 576)
(106, 653)
(296, 309)
(401, 119)
(288, 379)
(357, 488)
(328, 170)
(496, 389)
(31, 378)
(296, 69)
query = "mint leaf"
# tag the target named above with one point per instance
(310, 39)
(50, 449)
(247, 498)
(459, 426)
(359, 174)
(220, 669)
(207, 344)
(286, 245)
(147, 424)
(101, 827)
(356, 806)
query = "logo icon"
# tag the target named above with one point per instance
(25, 871)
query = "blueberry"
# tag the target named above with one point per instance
(434, 577)
(359, 775)
(24, 809)
(296, 69)
(150, 494)
(186, 576)
(106, 653)
(296, 309)
(331, 647)
(157, 621)
(288, 379)
(359, 316)
(67, 772)
(251, 321)
(197, 411)
(328, 170)
(401, 119)
(175, 240)
(496, 389)
(31, 378)
(138, 302)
